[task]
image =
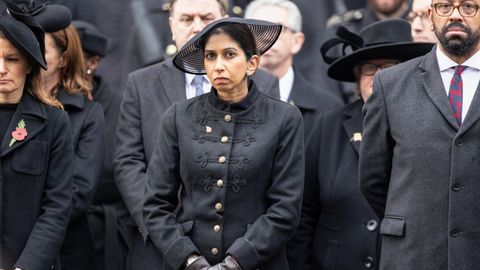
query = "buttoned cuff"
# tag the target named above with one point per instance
(245, 253)
(177, 253)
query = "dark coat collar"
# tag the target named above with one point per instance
(301, 93)
(76, 100)
(248, 101)
(173, 81)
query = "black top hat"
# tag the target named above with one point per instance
(92, 40)
(389, 39)
(23, 32)
(189, 58)
(51, 17)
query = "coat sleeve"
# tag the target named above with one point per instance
(271, 231)
(47, 234)
(88, 160)
(161, 196)
(300, 247)
(129, 160)
(376, 150)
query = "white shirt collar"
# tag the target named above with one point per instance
(286, 84)
(444, 62)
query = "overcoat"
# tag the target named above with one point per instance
(338, 229)
(419, 170)
(148, 94)
(36, 187)
(240, 170)
(88, 138)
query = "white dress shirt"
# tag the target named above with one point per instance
(285, 85)
(470, 76)
(190, 88)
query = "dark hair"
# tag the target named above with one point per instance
(238, 32)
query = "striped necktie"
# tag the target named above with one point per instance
(455, 94)
(198, 83)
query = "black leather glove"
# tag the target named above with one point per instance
(229, 263)
(199, 264)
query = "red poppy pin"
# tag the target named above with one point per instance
(19, 133)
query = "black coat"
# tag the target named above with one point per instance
(88, 138)
(240, 169)
(36, 187)
(338, 229)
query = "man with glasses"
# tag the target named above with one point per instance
(278, 60)
(421, 27)
(420, 159)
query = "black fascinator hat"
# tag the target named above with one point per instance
(92, 40)
(389, 39)
(23, 31)
(52, 17)
(190, 57)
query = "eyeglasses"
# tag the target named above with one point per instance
(286, 29)
(370, 69)
(465, 9)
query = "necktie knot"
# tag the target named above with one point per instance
(459, 69)
(198, 84)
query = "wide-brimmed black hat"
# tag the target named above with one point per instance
(52, 17)
(389, 39)
(190, 57)
(23, 32)
(93, 42)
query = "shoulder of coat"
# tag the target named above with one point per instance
(348, 17)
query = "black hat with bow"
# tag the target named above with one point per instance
(23, 31)
(387, 39)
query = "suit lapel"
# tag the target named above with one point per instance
(173, 81)
(299, 95)
(473, 113)
(433, 85)
(353, 123)
(34, 116)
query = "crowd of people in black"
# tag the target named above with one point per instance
(237, 135)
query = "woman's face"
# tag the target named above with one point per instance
(226, 64)
(14, 67)
(367, 71)
(54, 58)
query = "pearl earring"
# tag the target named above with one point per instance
(89, 71)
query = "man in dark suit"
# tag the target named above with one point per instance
(419, 160)
(278, 60)
(149, 92)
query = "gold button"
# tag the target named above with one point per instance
(237, 10)
(219, 183)
(221, 159)
(218, 206)
(171, 49)
(227, 118)
(216, 228)
(214, 251)
(224, 139)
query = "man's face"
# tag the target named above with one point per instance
(421, 26)
(458, 35)
(190, 16)
(386, 7)
(288, 43)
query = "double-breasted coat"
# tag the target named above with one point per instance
(88, 139)
(338, 229)
(240, 171)
(419, 170)
(148, 94)
(35, 187)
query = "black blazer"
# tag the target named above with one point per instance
(338, 230)
(36, 187)
(240, 171)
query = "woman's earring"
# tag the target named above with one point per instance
(89, 71)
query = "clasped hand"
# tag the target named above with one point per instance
(229, 263)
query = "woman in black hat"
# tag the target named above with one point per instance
(224, 184)
(66, 80)
(36, 154)
(338, 229)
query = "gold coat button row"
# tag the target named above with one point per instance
(218, 206)
(224, 139)
(222, 159)
(216, 228)
(219, 183)
(227, 118)
(214, 251)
